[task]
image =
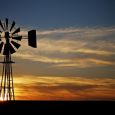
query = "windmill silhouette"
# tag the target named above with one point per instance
(9, 43)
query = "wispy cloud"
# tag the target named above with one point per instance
(77, 47)
(68, 52)
(64, 88)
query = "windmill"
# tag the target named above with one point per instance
(9, 43)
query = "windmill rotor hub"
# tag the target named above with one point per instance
(7, 35)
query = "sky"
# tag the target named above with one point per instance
(75, 57)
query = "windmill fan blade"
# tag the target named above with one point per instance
(12, 50)
(32, 38)
(1, 25)
(15, 44)
(1, 45)
(6, 23)
(17, 38)
(6, 49)
(16, 31)
(13, 24)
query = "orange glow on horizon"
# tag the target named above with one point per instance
(63, 88)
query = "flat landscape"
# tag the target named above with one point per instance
(57, 106)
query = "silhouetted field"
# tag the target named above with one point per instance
(56, 106)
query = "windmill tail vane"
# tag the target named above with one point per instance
(9, 44)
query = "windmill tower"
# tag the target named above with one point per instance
(9, 43)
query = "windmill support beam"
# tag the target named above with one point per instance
(7, 88)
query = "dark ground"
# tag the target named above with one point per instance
(58, 107)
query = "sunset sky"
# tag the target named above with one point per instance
(75, 57)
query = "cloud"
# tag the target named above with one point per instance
(86, 51)
(85, 63)
(64, 88)
(73, 47)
